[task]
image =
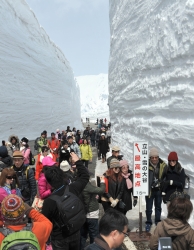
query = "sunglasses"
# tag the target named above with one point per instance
(10, 177)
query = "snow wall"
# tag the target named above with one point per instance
(151, 77)
(38, 90)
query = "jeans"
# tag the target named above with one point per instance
(155, 197)
(90, 227)
(70, 243)
(85, 163)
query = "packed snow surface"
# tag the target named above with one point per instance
(38, 90)
(151, 75)
(94, 96)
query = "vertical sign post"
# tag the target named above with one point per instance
(140, 174)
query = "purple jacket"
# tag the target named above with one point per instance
(44, 187)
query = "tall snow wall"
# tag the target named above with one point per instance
(151, 76)
(38, 90)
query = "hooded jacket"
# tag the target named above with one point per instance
(182, 234)
(16, 146)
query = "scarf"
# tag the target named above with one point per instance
(128, 181)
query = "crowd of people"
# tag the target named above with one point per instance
(70, 201)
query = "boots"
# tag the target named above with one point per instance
(103, 160)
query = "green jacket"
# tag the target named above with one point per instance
(86, 152)
(42, 142)
(89, 196)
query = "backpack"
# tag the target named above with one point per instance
(36, 145)
(71, 213)
(20, 240)
(31, 159)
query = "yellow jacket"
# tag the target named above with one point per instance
(86, 152)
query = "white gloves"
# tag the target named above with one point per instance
(114, 203)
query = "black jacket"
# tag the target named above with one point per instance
(99, 244)
(103, 146)
(115, 189)
(64, 155)
(49, 206)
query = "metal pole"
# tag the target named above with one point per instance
(140, 215)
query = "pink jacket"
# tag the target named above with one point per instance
(44, 187)
(26, 154)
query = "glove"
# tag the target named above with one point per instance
(134, 202)
(13, 185)
(111, 199)
(114, 203)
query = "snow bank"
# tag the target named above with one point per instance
(151, 74)
(94, 96)
(38, 90)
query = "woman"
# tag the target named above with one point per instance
(44, 152)
(78, 137)
(64, 152)
(176, 225)
(8, 183)
(114, 186)
(173, 176)
(103, 147)
(86, 153)
(13, 144)
(128, 187)
(25, 149)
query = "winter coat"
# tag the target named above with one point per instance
(177, 174)
(77, 138)
(89, 196)
(92, 135)
(5, 159)
(41, 142)
(86, 133)
(27, 182)
(39, 166)
(15, 147)
(54, 144)
(182, 234)
(44, 187)
(99, 244)
(26, 153)
(103, 146)
(86, 152)
(76, 149)
(50, 207)
(64, 155)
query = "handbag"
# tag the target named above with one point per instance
(38, 202)
(122, 205)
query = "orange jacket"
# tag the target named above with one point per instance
(54, 144)
(42, 228)
(39, 167)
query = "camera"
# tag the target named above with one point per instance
(120, 157)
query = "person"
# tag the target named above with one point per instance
(16, 217)
(73, 146)
(55, 178)
(108, 133)
(5, 159)
(86, 153)
(44, 152)
(86, 133)
(25, 176)
(9, 184)
(115, 154)
(128, 187)
(64, 151)
(54, 145)
(90, 200)
(92, 137)
(78, 136)
(176, 225)
(68, 173)
(173, 177)
(58, 134)
(103, 147)
(14, 143)
(44, 187)
(42, 141)
(156, 168)
(25, 149)
(114, 186)
(113, 228)
(97, 138)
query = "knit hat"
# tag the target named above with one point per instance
(115, 148)
(102, 134)
(18, 154)
(123, 163)
(173, 156)
(12, 208)
(153, 152)
(114, 163)
(48, 161)
(3, 151)
(64, 166)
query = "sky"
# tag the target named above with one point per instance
(80, 28)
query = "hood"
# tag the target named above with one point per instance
(175, 227)
(17, 139)
(3, 151)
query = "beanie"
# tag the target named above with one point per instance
(65, 166)
(173, 156)
(48, 161)
(24, 139)
(12, 208)
(153, 152)
(18, 154)
(123, 163)
(114, 163)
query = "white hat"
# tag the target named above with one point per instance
(102, 134)
(64, 166)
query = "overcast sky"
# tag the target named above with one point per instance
(80, 28)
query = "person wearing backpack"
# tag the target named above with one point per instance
(16, 231)
(66, 231)
(25, 149)
(25, 176)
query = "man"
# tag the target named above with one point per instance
(42, 141)
(115, 154)
(73, 145)
(54, 145)
(58, 134)
(86, 133)
(25, 176)
(156, 168)
(113, 228)
(16, 214)
(55, 178)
